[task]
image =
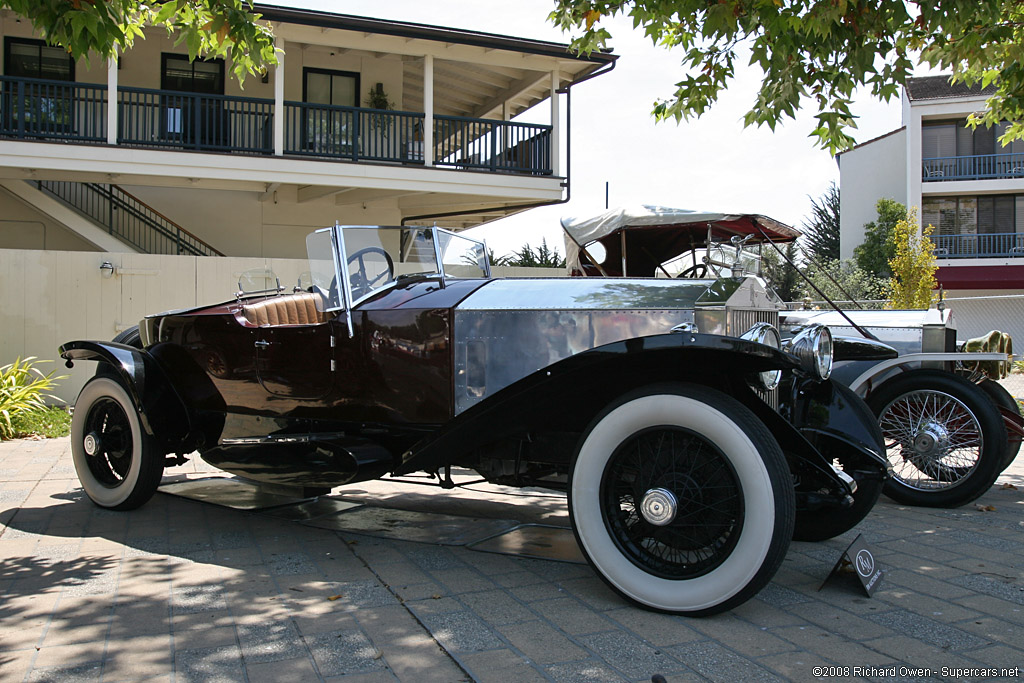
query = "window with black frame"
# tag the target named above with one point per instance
(36, 96)
(192, 110)
(328, 130)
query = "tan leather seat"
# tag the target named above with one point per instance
(292, 309)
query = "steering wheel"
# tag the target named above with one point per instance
(362, 284)
(695, 272)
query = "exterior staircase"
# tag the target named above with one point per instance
(127, 218)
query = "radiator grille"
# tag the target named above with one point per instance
(739, 321)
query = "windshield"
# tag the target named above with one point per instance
(370, 258)
(712, 263)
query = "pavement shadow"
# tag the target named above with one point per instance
(102, 593)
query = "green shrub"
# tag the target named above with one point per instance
(51, 422)
(22, 390)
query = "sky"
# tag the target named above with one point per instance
(712, 163)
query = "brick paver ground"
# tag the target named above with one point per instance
(186, 591)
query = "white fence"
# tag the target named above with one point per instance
(50, 297)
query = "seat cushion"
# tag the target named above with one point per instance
(291, 309)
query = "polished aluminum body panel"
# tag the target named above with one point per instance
(509, 329)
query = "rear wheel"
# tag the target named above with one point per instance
(115, 460)
(129, 337)
(1004, 401)
(681, 500)
(944, 438)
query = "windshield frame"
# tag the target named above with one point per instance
(340, 257)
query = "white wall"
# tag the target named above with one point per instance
(50, 297)
(875, 170)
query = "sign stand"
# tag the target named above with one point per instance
(859, 556)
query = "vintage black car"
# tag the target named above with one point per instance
(690, 459)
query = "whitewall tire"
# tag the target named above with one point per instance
(115, 461)
(681, 499)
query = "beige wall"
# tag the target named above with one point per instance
(249, 224)
(25, 227)
(50, 297)
(140, 66)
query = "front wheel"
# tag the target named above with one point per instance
(944, 438)
(681, 499)
(115, 460)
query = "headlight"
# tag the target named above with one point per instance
(766, 334)
(813, 346)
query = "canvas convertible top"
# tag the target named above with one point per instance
(664, 231)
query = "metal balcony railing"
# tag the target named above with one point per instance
(128, 218)
(977, 167)
(31, 108)
(48, 110)
(492, 145)
(987, 245)
(211, 123)
(353, 133)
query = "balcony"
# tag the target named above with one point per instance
(989, 245)
(977, 167)
(32, 109)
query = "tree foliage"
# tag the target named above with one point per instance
(821, 229)
(529, 257)
(878, 249)
(913, 264)
(780, 272)
(221, 28)
(819, 51)
(844, 281)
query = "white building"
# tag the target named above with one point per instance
(151, 153)
(962, 181)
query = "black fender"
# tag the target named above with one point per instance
(859, 348)
(565, 396)
(161, 411)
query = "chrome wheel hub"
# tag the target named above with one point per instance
(932, 439)
(659, 507)
(91, 444)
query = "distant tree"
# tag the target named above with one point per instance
(874, 254)
(528, 257)
(843, 281)
(497, 260)
(818, 53)
(821, 229)
(780, 272)
(913, 264)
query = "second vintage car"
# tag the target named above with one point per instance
(690, 459)
(949, 427)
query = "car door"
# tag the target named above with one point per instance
(296, 361)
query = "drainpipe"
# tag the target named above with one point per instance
(568, 160)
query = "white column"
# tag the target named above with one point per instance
(112, 100)
(556, 127)
(428, 110)
(279, 100)
(912, 120)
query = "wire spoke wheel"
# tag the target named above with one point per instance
(944, 438)
(681, 499)
(707, 505)
(932, 439)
